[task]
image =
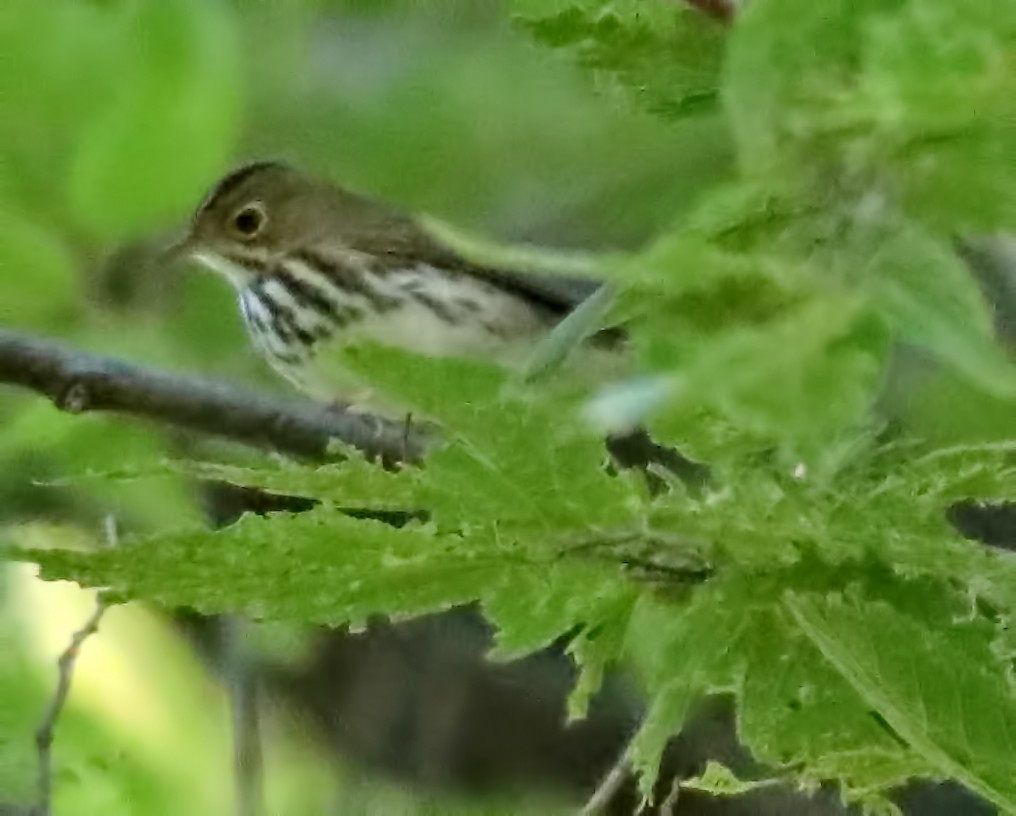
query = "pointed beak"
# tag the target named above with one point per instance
(179, 250)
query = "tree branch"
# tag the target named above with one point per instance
(78, 381)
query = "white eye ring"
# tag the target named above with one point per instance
(249, 220)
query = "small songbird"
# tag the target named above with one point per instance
(316, 266)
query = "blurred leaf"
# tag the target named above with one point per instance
(940, 90)
(930, 299)
(801, 378)
(40, 286)
(666, 56)
(61, 61)
(169, 125)
(567, 336)
(755, 335)
(781, 78)
(914, 98)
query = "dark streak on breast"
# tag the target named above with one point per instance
(438, 307)
(348, 278)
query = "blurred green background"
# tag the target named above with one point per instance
(115, 117)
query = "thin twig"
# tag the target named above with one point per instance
(65, 667)
(610, 785)
(77, 381)
(44, 733)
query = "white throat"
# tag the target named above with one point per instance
(233, 272)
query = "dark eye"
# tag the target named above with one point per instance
(249, 220)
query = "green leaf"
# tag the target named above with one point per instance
(930, 298)
(808, 375)
(515, 460)
(741, 319)
(909, 98)
(946, 698)
(332, 569)
(780, 78)
(597, 647)
(356, 482)
(666, 715)
(800, 377)
(665, 57)
(941, 95)
(681, 654)
(797, 712)
(591, 602)
(718, 780)
(325, 567)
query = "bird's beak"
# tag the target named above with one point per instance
(179, 250)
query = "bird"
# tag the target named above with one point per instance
(317, 267)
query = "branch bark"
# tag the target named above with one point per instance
(78, 382)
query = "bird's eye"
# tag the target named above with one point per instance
(249, 220)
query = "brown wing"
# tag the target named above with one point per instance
(385, 233)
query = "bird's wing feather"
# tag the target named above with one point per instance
(385, 232)
(560, 293)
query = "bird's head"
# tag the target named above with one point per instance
(254, 215)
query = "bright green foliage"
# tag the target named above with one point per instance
(908, 98)
(718, 780)
(356, 482)
(814, 576)
(664, 55)
(962, 723)
(871, 534)
(923, 291)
